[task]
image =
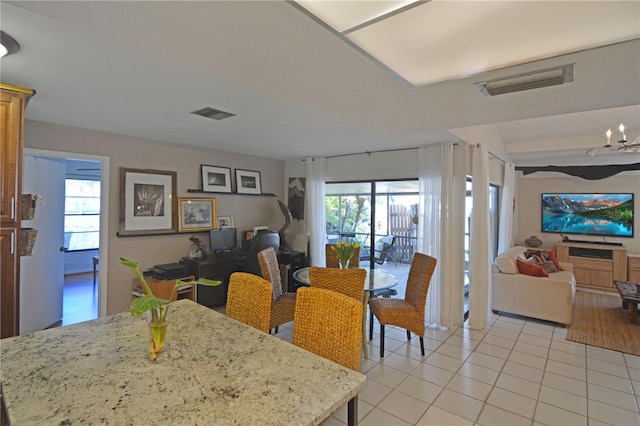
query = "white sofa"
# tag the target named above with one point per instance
(546, 298)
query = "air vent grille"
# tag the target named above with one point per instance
(215, 114)
(532, 80)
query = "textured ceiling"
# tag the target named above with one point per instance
(140, 68)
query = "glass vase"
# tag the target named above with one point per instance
(344, 263)
(158, 321)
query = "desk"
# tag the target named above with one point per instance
(214, 268)
(220, 371)
(163, 288)
(375, 280)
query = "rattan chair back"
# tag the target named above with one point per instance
(407, 313)
(346, 281)
(271, 270)
(332, 259)
(249, 300)
(422, 267)
(284, 304)
(328, 324)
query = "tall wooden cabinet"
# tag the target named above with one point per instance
(12, 107)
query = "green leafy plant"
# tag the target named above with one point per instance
(140, 305)
(344, 251)
(158, 308)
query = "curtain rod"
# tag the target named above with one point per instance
(496, 157)
(394, 150)
(365, 152)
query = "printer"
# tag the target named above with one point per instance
(169, 271)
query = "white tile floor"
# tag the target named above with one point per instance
(516, 372)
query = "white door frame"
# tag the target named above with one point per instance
(103, 253)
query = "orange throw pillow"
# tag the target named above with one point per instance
(554, 259)
(533, 270)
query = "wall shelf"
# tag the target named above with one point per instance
(200, 191)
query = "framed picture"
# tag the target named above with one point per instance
(197, 214)
(216, 179)
(147, 201)
(225, 222)
(248, 182)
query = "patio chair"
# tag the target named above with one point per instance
(380, 256)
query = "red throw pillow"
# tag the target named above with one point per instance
(554, 259)
(533, 270)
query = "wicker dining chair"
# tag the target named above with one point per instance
(332, 259)
(407, 313)
(328, 324)
(283, 304)
(249, 300)
(346, 281)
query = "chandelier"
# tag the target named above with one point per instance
(621, 145)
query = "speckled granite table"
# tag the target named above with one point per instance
(219, 372)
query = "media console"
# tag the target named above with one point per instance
(595, 265)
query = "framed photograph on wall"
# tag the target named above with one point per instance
(225, 222)
(248, 182)
(216, 179)
(197, 214)
(147, 201)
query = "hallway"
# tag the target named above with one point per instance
(80, 299)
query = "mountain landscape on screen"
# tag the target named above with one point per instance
(589, 214)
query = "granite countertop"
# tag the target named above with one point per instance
(219, 372)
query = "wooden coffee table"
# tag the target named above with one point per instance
(630, 293)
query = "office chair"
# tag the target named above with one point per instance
(260, 242)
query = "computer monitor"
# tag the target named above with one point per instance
(223, 240)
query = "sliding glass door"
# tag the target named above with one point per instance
(380, 215)
(494, 210)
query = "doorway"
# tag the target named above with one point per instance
(101, 172)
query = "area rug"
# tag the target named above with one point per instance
(599, 320)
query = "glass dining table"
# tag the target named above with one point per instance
(376, 279)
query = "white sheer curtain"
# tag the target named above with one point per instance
(479, 278)
(505, 231)
(317, 227)
(435, 229)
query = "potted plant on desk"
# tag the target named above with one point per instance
(157, 311)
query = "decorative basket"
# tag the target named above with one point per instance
(27, 241)
(28, 207)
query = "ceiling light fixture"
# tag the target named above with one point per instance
(8, 44)
(622, 145)
(209, 112)
(531, 80)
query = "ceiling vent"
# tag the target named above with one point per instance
(216, 114)
(531, 80)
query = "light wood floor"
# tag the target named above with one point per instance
(80, 299)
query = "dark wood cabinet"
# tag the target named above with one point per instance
(214, 268)
(289, 263)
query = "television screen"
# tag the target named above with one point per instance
(223, 239)
(608, 215)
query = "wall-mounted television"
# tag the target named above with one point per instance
(607, 215)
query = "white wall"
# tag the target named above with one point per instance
(529, 203)
(131, 152)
